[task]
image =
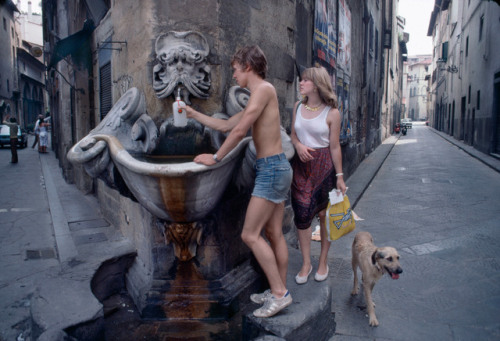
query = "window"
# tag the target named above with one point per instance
(468, 101)
(478, 104)
(376, 45)
(8, 86)
(4, 24)
(467, 47)
(12, 32)
(444, 51)
(105, 80)
(481, 24)
(105, 89)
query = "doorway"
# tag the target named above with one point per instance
(452, 118)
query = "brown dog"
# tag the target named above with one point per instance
(373, 262)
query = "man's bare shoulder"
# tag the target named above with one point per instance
(264, 87)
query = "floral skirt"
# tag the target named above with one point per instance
(312, 181)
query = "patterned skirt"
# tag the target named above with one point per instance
(312, 181)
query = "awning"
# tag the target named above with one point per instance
(77, 45)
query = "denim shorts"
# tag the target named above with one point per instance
(273, 178)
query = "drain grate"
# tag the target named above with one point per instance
(40, 254)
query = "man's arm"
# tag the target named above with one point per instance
(212, 122)
(256, 104)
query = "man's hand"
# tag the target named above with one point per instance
(190, 112)
(205, 159)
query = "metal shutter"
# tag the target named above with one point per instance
(105, 97)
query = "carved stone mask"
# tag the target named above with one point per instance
(182, 61)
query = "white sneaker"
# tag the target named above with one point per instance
(260, 298)
(273, 305)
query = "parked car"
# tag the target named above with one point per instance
(22, 138)
(407, 123)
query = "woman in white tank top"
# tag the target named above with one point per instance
(317, 165)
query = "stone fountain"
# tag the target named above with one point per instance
(199, 265)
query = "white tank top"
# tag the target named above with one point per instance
(313, 132)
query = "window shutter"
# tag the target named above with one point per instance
(105, 97)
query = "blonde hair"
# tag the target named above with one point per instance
(320, 77)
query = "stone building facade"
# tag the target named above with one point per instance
(116, 51)
(8, 76)
(22, 71)
(394, 77)
(465, 84)
(31, 86)
(419, 71)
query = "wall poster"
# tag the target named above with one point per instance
(344, 36)
(343, 91)
(325, 31)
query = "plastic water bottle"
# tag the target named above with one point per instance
(180, 118)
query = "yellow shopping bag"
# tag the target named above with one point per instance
(339, 219)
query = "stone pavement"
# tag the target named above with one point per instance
(53, 239)
(438, 205)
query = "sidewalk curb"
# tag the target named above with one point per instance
(359, 181)
(477, 154)
(66, 248)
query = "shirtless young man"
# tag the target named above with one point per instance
(273, 178)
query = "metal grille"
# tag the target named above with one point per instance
(105, 97)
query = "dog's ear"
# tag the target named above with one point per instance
(377, 255)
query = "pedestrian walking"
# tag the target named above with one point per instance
(44, 136)
(273, 174)
(37, 131)
(317, 164)
(11, 122)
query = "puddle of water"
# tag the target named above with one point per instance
(123, 322)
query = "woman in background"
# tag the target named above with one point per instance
(44, 136)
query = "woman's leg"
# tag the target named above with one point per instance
(325, 243)
(305, 249)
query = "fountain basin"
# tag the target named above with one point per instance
(176, 192)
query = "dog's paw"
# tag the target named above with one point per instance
(373, 322)
(354, 292)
